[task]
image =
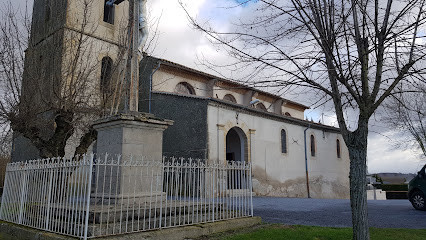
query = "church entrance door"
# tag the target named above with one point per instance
(236, 152)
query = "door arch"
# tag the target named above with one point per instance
(236, 145)
(236, 153)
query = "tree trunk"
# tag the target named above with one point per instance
(358, 169)
(85, 141)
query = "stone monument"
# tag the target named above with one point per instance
(130, 134)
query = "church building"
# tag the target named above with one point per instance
(215, 119)
(221, 120)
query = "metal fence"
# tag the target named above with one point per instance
(91, 197)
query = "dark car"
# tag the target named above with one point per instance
(417, 190)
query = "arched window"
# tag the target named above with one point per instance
(109, 13)
(283, 141)
(338, 148)
(48, 11)
(287, 114)
(106, 73)
(184, 88)
(230, 98)
(262, 107)
(312, 146)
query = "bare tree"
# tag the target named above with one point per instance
(50, 83)
(352, 52)
(406, 112)
(53, 83)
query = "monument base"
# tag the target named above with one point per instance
(138, 139)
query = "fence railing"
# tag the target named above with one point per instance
(99, 196)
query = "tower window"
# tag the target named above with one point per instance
(338, 148)
(48, 11)
(313, 146)
(109, 13)
(106, 73)
(283, 141)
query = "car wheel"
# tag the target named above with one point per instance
(418, 200)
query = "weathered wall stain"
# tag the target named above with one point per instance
(320, 187)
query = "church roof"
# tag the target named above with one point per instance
(207, 75)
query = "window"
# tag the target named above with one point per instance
(106, 73)
(184, 88)
(283, 141)
(262, 107)
(338, 148)
(109, 13)
(230, 98)
(312, 146)
(287, 114)
(48, 12)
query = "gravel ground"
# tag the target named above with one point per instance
(337, 212)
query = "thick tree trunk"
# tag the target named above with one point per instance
(85, 141)
(358, 169)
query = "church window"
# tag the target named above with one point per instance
(283, 141)
(106, 73)
(262, 107)
(184, 88)
(313, 146)
(109, 13)
(230, 98)
(338, 148)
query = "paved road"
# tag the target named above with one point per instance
(337, 212)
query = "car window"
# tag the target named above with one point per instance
(422, 172)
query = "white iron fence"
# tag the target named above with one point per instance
(91, 197)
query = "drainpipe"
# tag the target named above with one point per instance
(150, 86)
(306, 161)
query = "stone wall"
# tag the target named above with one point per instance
(188, 135)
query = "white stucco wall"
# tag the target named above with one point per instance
(293, 112)
(275, 173)
(220, 93)
(166, 81)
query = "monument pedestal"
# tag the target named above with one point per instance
(135, 143)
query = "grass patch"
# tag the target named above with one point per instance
(277, 232)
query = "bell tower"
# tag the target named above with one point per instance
(74, 62)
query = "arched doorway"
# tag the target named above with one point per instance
(236, 151)
(236, 145)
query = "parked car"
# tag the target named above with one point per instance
(417, 190)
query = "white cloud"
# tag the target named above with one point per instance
(384, 155)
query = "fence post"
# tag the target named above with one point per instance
(161, 189)
(213, 180)
(89, 189)
(5, 193)
(49, 195)
(251, 189)
(23, 191)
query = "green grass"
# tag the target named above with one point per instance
(276, 232)
(4, 236)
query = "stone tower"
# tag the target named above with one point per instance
(75, 60)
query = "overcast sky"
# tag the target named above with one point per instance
(178, 42)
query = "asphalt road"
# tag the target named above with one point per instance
(337, 212)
